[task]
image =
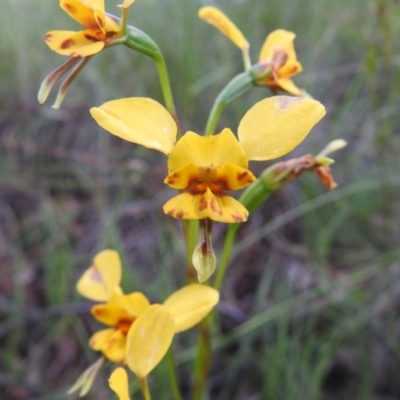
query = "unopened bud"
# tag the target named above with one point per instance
(203, 259)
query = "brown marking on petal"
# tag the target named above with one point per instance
(75, 54)
(110, 34)
(48, 37)
(99, 312)
(70, 8)
(239, 218)
(293, 70)
(176, 214)
(95, 275)
(67, 43)
(214, 206)
(124, 324)
(171, 178)
(285, 102)
(91, 38)
(202, 204)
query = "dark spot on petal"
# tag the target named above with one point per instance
(110, 34)
(242, 175)
(202, 204)
(70, 7)
(215, 207)
(239, 218)
(67, 43)
(294, 69)
(124, 324)
(176, 214)
(90, 37)
(48, 37)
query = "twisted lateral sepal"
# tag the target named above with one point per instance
(140, 41)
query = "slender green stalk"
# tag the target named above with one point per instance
(166, 88)
(173, 377)
(191, 232)
(124, 20)
(226, 254)
(246, 59)
(239, 85)
(145, 388)
(203, 359)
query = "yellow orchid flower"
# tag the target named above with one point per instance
(128, 313)
(100, 31)
(151, 335)
(206, 168)
(277, 52)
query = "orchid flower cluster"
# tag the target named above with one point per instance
(203, 168)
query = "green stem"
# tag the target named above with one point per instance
(246, 59)
(173, 377)
(166, 88)
(124, 20)
(203, 359)
(145, 388)
(251, 198)
(191, 232)
(226, 254)
(239, 85)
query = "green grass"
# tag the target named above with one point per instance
(309, 308)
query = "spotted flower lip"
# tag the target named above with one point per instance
(277, 53)
(100, 29)
(206, 168)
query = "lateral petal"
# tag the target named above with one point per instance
(110, 314)
(189, 305)
(139, 120)
(206, 151)
(278, 39)
(180, 179)
(74, 44)
(133, 304)
(149, 339)
(276, 125)
(220, 21)
(234, 177)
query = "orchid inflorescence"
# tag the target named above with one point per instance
(204, 169)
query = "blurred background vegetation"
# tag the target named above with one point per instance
(310, 305)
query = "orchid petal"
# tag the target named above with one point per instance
(189, 305)
(276, 125)
(100, 280)
(149, 339)
(220, 21)
(74, 44)
(138, 120)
